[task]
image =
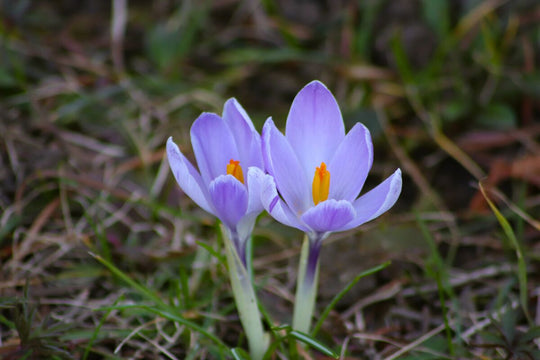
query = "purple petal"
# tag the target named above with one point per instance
(213, 145)
(330, 215)
(248, 141)
(269, 123)
(230, 198)
(282, 163)
(377, 201)
(276, 207)
(187, 177)
(255, 178)
(245, 226)
(314, 126)
(351, 163)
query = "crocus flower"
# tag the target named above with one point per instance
(224, 148)
(317, 173)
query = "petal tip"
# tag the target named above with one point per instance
(268, 127)
(315, 88)
(268, 123)
(206, 116)
(232, 102)
(397, 181)
(171, 146)
(316, 83)
(396, 176)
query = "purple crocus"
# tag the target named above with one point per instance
(317, 172)
(223, 147)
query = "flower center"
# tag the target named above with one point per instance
(321, 184)
(234, 169)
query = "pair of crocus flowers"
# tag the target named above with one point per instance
(310, 178)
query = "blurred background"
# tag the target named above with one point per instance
(91, 90)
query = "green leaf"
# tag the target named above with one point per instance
(402, 61)
(9, 226)
(168, 42)
(6, 78)
(522, 266)
(455, 109)
(436, 13)
(508, 323)
(163, 309)
(315, 344)
(164, 45)
(212, 251)
(97, 331)
(239, 354)
(132, 283)
(497, 117)
(492, 339)
(170, 315)
(365, 29)
(530, 83)
(532, 334)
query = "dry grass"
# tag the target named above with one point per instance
(90, 94)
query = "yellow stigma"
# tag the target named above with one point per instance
(234, 169)
(321, 184)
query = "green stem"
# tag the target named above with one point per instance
(245, 299)
(249, 257)
(306, 287)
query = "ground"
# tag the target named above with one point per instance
(103, 257)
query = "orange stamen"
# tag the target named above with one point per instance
(234, 169)
(321, 184)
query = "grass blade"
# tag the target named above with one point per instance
(166, 311)
(169, 314)
(132, 283)
(306, 339)
(522, 266)
(236, 353)
(96, 331)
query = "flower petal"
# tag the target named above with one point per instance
(255, 178)
(377, 201)
(282, 164)
(248, 141)
(330, 215)
(351, 164)
(245, 226)
(213, 145)
(187, 177)
(276, 207)
(314, 126)
(230, 198)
